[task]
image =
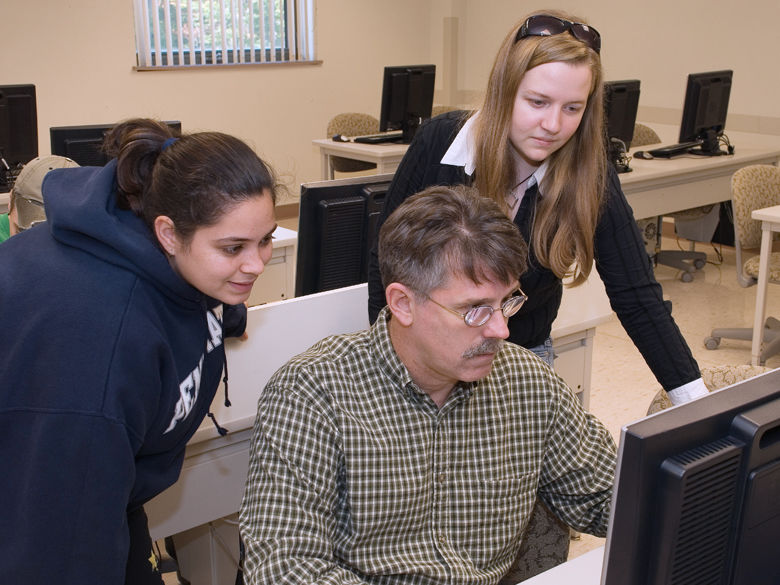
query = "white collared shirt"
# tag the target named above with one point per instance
(462, 153)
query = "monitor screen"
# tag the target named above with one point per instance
(621, 101)
(18, 130)
(336, 229)
(407, 98)
(697, 497)
(83, 143)
(705, 109)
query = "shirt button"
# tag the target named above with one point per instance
(442, 477)
(442, 539)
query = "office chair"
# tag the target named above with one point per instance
(545, 545)
(351, 124)
(697, 224)
(714, 378)
(436, 110)
(752, 187)
(648, 227)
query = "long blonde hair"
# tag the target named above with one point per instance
(566, 217)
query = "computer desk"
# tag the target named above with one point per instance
(663, 186)
(214, 472)
(584, 570)
(770, 224)
(653, 187)
(386, 156)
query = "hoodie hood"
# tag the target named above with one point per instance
(81, 211)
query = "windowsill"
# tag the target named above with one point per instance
(226, 65)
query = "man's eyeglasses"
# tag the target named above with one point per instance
(544, 25)
(481, 314)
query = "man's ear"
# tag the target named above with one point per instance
(402, 303)
(165, 231)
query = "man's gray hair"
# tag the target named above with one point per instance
(444, 231)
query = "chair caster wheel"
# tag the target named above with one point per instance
(698, 264)
(686, 277)
(712, 342)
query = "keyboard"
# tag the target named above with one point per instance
(392, 136)
(8, 178)
(673, 149)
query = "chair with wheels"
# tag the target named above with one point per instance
(648, 227)
(351, 124)
(752, 187)
(697, 224)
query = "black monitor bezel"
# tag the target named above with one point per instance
(632, 544)
(89, 136)
(18, 126)
(704, 115)
(620, 119)
(620, 115)
(307, 266)
(405, 105)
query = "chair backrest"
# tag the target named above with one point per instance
(436, 110)
(752, 187)
(644, 135)
(714, 378)
(352, 124)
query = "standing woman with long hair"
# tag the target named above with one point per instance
(112, 319)
(537, 147)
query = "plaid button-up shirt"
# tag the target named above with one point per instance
(356, 476)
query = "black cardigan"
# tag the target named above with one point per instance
(621, 261)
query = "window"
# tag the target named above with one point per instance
(178, 33)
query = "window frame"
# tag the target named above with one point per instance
(163, 43)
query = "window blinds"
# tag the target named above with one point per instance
(172, 33)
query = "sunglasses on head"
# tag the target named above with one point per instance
(544, 25)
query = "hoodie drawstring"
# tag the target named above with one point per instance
(220, 429)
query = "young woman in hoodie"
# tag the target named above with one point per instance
(113, 316)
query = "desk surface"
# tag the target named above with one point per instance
(771, 214)
(584, 570)
(374, 151)
(654, 187)
(662, 186)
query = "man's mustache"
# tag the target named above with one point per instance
(487, 346)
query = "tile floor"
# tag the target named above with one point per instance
(622, 384)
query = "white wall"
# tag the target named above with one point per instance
(658, 42)
(80, 55)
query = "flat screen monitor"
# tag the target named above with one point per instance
(697, 497)
(84, 143)
(336, 229)
(705, 109)
(18, 130)
(407, 98)
(621, 102)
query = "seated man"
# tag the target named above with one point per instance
(413, 452)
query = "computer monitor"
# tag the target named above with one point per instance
(407, 98)
(697, 497)
(18, 130)
(336, 229)
(705, 110)
(621, 101)
(83, 143)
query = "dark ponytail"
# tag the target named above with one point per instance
(193, 179)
